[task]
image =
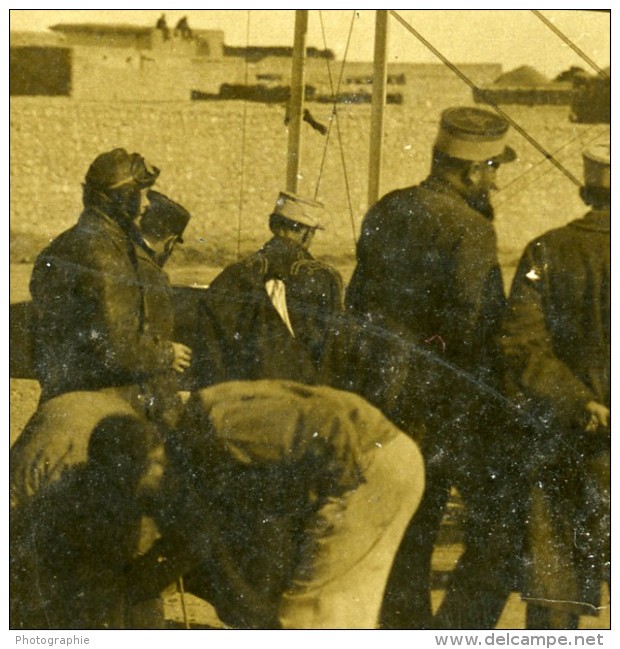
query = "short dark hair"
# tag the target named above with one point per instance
(279, 222)
(444, 162)
(597, 197)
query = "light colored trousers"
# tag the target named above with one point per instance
(351, 561)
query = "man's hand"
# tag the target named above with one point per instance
(598, 417)
(182, 357)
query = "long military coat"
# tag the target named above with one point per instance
(427, 282)
(89, 309)
(427, 297)
(240, 334)
(427, 268)
(557, 337)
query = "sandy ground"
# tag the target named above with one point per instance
(195, 613)
(190, 611)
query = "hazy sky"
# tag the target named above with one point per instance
(511, 37)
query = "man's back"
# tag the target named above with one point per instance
(301, 494)
(559, 324)
(243, 334)
(557, 342)
(428, 271)
(81, 282)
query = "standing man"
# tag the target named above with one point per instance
(161, 229)
(96, 352)
(272, 314)
(90, 328)
(99, 353)
(557, 340)
(427, 296)
(162, 25)
(92, 352)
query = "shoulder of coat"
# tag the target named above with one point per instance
(313, 267)
(257, 262)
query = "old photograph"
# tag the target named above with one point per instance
(310, 321)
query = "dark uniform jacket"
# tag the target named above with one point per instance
(557, 333)
(427, 269)
(241, 336)
(427, 294)
(556, 338)
(90, 328)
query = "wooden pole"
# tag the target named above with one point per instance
(295, 112)
(379, 85)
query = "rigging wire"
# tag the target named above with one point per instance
(497, 108)
(243, 141)
(507, 199)
(570, 43)
(334, 117)
(566, 144)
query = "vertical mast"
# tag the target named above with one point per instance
(296, 100)
(379, 85)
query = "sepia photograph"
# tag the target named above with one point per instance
(310, 324)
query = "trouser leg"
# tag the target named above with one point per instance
(351, 545)
(487, 570)
(407, 602)
(149, 613)
(546, 618)
(477, 593)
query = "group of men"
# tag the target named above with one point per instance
(303, 482)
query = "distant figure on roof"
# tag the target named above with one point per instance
(162, 25)
(183, 28)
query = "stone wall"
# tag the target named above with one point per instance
(226, 161)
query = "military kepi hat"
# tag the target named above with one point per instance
(474, 134)
(300, 210)
(163, 217)
(597, 166)
(117, 167)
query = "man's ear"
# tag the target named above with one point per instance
(308, 234)
(472, 173)
(170, 242)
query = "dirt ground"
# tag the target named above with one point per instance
(183, 611)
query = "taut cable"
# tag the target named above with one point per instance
(497, 108)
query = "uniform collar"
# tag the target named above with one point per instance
(597, 220)
(281, 254)
(286, 247)
(93, 217)
(443, 186)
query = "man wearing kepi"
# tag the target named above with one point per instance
(272, 314)
(161, 229)
(295, 500)
(557, 340)
(427, 296)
